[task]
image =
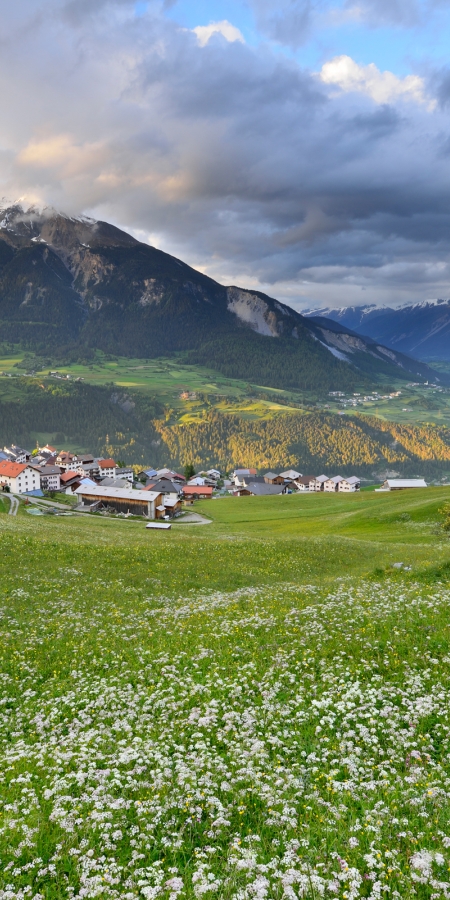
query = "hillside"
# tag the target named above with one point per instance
(74, 283)
(421, 330)
(134, 426)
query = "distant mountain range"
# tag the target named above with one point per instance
(73, 282)
(421, 330)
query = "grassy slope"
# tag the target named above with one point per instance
(157, 736)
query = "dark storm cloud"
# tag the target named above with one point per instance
(228, 155)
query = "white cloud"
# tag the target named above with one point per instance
(226, 29)
(382, 87)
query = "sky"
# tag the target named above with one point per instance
(299, 147)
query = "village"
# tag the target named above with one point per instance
(104, 485)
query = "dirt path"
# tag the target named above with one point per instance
(193, 519)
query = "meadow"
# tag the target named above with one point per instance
(256, 708)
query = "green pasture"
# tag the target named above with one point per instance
(227, 710)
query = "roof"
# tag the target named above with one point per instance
(168, 503)
(48, 470)
(12, 469)
(352, 480)
(107, 463)
(260, 490)
(70, 476)
(270, 475)
(290, 473)
(163, 486)
(117, 493)
(305, 479)
(406, 482)
(336, 478)
(322, 478)
(197, 489)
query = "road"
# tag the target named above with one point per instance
(13, 505)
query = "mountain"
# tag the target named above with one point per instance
(421, 330)
(73, 282)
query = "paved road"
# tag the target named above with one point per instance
(13, 505)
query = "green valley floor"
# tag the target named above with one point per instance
(255, 708)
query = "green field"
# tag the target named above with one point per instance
(167, 378)
(255, 708)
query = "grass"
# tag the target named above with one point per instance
(243, 710)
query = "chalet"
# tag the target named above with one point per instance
(20, 478)
(401, 484)
(67, 461)
(320, 482)
(197, 492)
(50, 477)
(349, 485)
(290, 475)
(128, 501)
(259, 490)
(48, 450)
(272, 478)
(172, 476)
(332, 484)
(305, 483)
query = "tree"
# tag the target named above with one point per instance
(189, 471)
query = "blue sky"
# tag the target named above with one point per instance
(301, 147)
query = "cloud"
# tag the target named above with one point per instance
(229, 155)
(382, 87)
(378, 13)
(288, 22)
(226, 29)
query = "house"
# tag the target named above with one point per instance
(320, 481)
(272, 478)
(50, 477)
(165, 487)
(124, 500)
(146, 474)
(214, 473)
(197, 492)
(305, 483)
(400, 484)
(126, 473)
(198, 480)
(48, 450)
(17, 454)
(238, 475)
(173, 476)
(69, 480)
(252, 479)
(67, 461)
(349, 484)
(259, 490)
(332, 484)
(290, 475)
(107, 468)
(20, 478)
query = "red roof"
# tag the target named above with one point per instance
(12, 469)
(68, 476)
(107, 464)
(149, 487)
(197, 489)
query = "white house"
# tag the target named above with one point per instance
(19, 477)
(107, 468)
(305, 483)
(332, 485)
(320, 481)
(349, 485)
(50, 477)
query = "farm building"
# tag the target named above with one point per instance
(124, 500)
(197, 492)
(400, 484)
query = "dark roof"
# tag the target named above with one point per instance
(253, 479)
(305, 479)
(164, 486)
(263, 490)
